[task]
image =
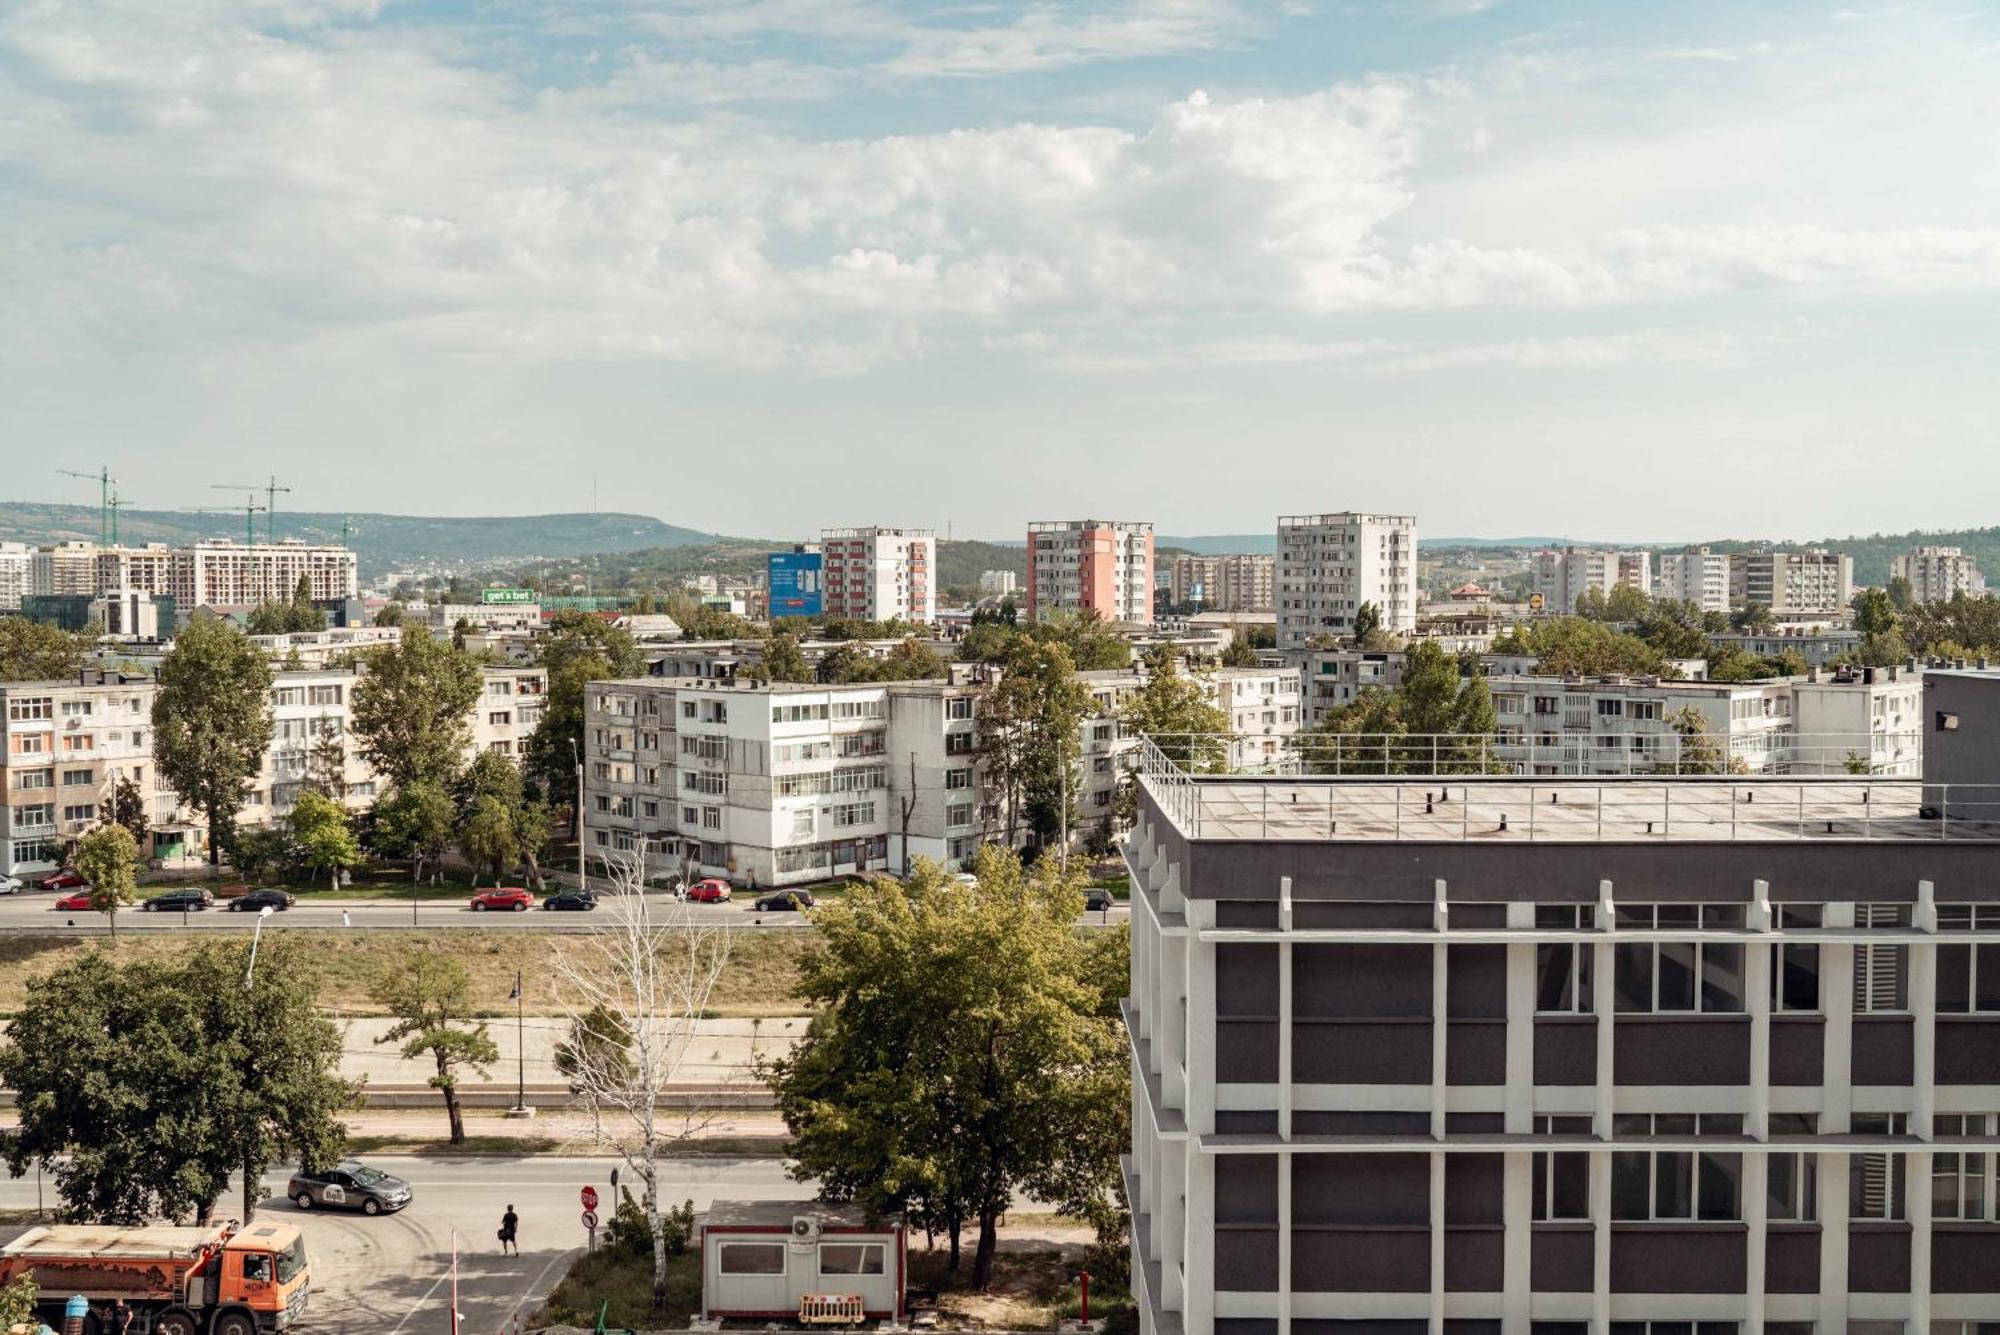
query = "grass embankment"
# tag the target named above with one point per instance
(758, 981)
(627, 1282)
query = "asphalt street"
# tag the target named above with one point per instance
(390, 1275)
(34, 912)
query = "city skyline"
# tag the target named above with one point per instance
(1411, 257)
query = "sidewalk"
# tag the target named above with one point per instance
(721, 1052)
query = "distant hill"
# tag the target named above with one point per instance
(961, 562)
(382, 541)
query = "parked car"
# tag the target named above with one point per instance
(711, 890)
(63, 880)
(572, 901)
(786, 901)
(966, 879)
(511, 897)
(1098, 900)
(10, 886)
(76, 901)
(349, 1186)
(252, 900)
(178, 900)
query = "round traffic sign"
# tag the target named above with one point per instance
(590, 1198)
(590, 1219)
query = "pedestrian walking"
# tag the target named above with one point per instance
(345, 921)
(121, 1318)
(509, 1224)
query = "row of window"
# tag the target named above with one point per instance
(46, 778)
(37, 743)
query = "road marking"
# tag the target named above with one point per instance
(418, 1305)
(529, 1292)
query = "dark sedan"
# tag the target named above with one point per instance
(786, 901)
(349, 1186)
(1098, 900)
(251, 901)
(570, 901)
(179, 901)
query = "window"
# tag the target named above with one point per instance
(695, 782)
(1610, 708)
(501, 688)
(649, 809)
(1792, 1184)
(500, 718)
(1962, 1182)
(286, 696)
(1562, 1177)
(959, 708)
(1674, 1328)
(323, 695)
(35, 816)
(33, 707)
(1881, 972)
(1968, 977)
(37, 778)
(1679, 976)
(690, 815)
(853, 813)
(1562, 978)
(1795, 977)
(1675, 1184)
(958, 816)
(1875, 1181)
(958, 744)
(86, 811)
(34, 850)
(31, 744)
(753, 1258)
(79, 742)
(797, 713)
(687, 711)
(711, 818)
(1645, 710)
(957, 778)
(850, 1258)
(77, 709)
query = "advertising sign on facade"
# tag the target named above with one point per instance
(506, 595)
(795, 584)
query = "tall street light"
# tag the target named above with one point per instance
(582, 858)
(250, 1051)
(256, 935)
(518, 997)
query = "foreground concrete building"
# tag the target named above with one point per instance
(1422, 1056)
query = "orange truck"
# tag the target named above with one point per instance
(205, 1279)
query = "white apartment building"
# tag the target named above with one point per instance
(64, 568)
(1329, 565)
(319, 648)
(1625, 725)
(17, 564)
(879, 574)
(1091, 565)
(215, 573)
(998, 583)
(1565, 574)
(1815, 583)
(1938, 574)
(1238, 582)
(1858, 718)
(783, 784)
(1696, 575)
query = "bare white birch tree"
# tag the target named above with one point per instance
(635, 992)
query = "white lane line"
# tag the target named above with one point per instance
(529, 1292)
(419, 1306)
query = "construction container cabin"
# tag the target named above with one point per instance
(784, 1260)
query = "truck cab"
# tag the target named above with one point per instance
(264, 1269)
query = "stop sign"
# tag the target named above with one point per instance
(590, 1198)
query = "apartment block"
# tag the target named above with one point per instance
(17, 563)
(67, 745)
(1938, 574)
(1863, 720)
(1815, 583)
(998, 583)
(64, 568)
(214, 573)
(1432, 1055)
(1329, 565)
(880, 574)
(1103, 566)
(1240, 582)
(1696, 575)
(1565, 574)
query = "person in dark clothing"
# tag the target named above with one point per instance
(121, 1318)
(509, 1223)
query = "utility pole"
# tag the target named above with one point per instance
(582, 858)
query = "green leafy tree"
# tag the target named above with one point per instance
(30, 651)
(326, 759)
(597, 1052)
(412, 708)
(1881, 628)
(1174, 710)
(575, 649)
(144, 1084)
(1626, 603)
(212, 721)
(17, 1303)
(1029, 736)
(263, 853)
(323, 835)
(1578, 646)
(108, 857)
(390, 614)
(125, 805)
(783, 661)
(486, 838)
(527, 825)
(912, 660)
(1439, 720)
(941, 1076)
(1367, 624)
(1696, 751)
(1753, 619)
(1674, 627)
(1238, 653)
(430, 999)
(416, 823)
(1963, 627)
(987, 641)
(1902, 596)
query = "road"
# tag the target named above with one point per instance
(391, 1275)
(34, 913)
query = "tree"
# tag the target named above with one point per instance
(1695, 751)
(1238, 653)
(636, 995)
(1440, 720)
(1902, 596)
(1090, 641)
(412, 708)
(523, 834)
(125, 805)
(17, 1302)
(783, 661)
(1674, 627)
(326, 759)
(323, 835)
(1625, 603)
(390, 614)
(939, 1075)
(1175, 711)
(262, 853)
(1875, 613)
(30, 651)
(212, 721)
(1753, 619)
(575, 650)
(487, 839)
(144, 1084)
(108, 857)
(1367, 624)
(1576, 646)
(415, 822)
(1029, 737)
(430, 999)
(912, 660)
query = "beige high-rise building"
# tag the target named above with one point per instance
(1237, 582)
(64, 567)
(1329, 565)
(1938, 574)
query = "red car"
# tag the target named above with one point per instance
(64, 880)
(711, 890)
(75, 901)
(506, 897)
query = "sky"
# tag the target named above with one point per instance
(1657, 272)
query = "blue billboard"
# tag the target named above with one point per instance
(795, 584)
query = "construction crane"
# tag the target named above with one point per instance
(115, 505)
(102, 477)
(249, 509)
(270, 488)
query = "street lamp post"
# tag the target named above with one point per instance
(518, 997)
(582, 857)
(249, 977)
(256, 935)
